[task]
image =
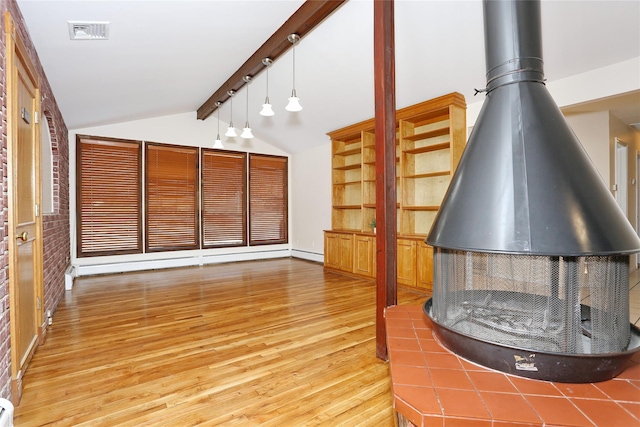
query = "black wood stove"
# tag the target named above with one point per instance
(531, 251)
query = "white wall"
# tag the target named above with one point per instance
(600, 83)
(311, 194)
(310, 170)
(178, 129)
(592, 130)
(603, 82)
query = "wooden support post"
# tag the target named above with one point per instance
(385, 110)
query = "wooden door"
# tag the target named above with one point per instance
(407, 262)
(424, 266)
(346, 252)
(364, 262)
(25, 225)
(332, 250)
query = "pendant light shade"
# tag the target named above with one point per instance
(294, 101)
(246, 131)
(231, 132)
(267, 111)
(218, 142)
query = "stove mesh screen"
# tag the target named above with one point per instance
(577, 305)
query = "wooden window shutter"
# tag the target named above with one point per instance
(172, 198)
(109, 204)
(224, 198)
(268, 206)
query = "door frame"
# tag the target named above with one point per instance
(636, 183)
(621, 174)
(15, 49)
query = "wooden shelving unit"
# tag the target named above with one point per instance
(430, 139)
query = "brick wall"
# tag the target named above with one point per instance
(56, 225)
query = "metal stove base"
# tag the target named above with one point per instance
(534, 364)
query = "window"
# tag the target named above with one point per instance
(268, 204)
(109, 197)
(194, 197)
(46, 166)
(172, 198)
(224, 213)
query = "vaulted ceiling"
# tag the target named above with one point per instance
(167, 57)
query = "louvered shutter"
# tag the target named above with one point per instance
(172, 198)
(268, 206)
(109, 213)
(224, 201)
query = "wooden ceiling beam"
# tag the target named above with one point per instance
(305, 19)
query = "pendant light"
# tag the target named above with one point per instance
(266, 107)
(246, 131)
(231, 132)
(218, 142)
(294, 101)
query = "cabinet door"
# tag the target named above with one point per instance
(407, 262)
(425, 266)
(346, 253)
(331, 250)
(364, 262)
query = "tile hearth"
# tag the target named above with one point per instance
(434, 387)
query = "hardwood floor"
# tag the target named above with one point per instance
(265, 343)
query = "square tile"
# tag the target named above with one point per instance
(491, 381)
(400, 322)
(557, 411)
(407, 411)
(442, 360)
(422, 399)
(621, 390)
(605, 413)
(468, 365)
(396, 312)
(422, 322)
(497, 423)
(509, 407)
(584, 391)
(409, 358)
(399, 332)
(403, 344)
(433, 421)
(632, 408)
(413, 310)
(462, 404)
(527, 386)
(450, 378)
(410, 375)
(466, 422)
(424, 334)
(431, 346)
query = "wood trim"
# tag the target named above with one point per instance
(305, 19)
(17, 58)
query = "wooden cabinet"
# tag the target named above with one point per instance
(365, 256)
(338, 249)
(430, 139)
(406, 262)
(424, 266)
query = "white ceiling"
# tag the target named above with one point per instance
(168, 57)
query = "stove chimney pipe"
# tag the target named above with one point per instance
(525, 184)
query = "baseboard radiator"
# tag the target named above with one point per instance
(6, 413)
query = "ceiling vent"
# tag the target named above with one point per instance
(88, 30)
